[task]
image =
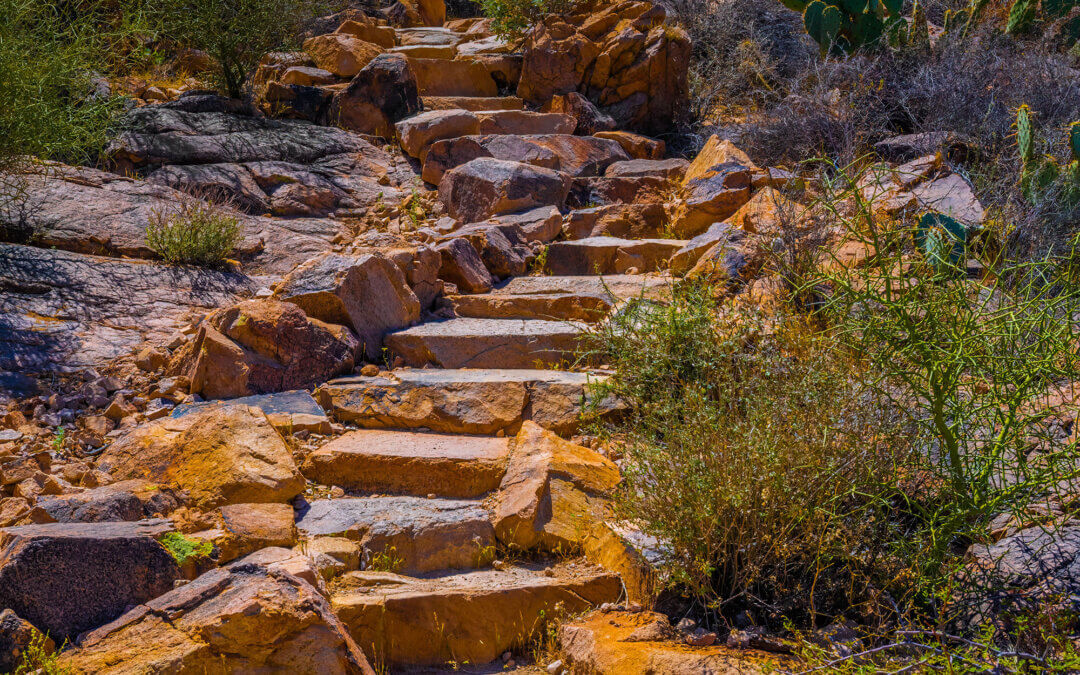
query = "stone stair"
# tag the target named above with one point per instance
(428, 468)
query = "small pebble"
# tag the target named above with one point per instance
(554, 667)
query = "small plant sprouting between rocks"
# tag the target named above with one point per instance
(183, 548)
(511, 19)
(386, 560)
(195, 232)
(40, 657)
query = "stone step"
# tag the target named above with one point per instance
(428, 35)
(413, 463)
(558, 298)
(463, 401)
(471, 617)
(609, 255)
(408, 535)
(440, 77)
(423, 51)
(486, 343)
(472, 103)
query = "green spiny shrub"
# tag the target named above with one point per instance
(1041, 174)
(195, 232)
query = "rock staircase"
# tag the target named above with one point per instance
(432, 461)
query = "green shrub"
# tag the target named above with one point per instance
(750, 453)
(183, 548)
(511, 19)
(236, 33)
(195, 232)
(971, 365)
(40, 657)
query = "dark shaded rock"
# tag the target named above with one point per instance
(61, 310)
(589, 118)
(126, 500)
(259, 614)
(66, 578)
(379, 96)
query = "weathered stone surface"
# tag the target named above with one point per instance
(541, 224)
(953, 196)
(461, 265)
(254, 616)
(621, 57)
(94, 212)
(288, 411)
(463, 401)
(16, 634)
(246, 528)
(668, 169)
(369, 293)
(403, 462)
(635, 145)
(589, 120)
(473, 103)
(711, 198)
(66, 578)
(524, 122)
(421, 267)
(418, 12)
(61, 310)
(220, 454)
(471, 617)
(159, 135)
(485, 187)
(380, 96)
(686, 257)
(125, 500)
(735, 257)
(416, 133)
(307, 76)
(574, 155)
(625, 221)
(553, 493)
(439, 77)
(424, 534)
(907, 147)
(558, 298)
(606, 643)
(606, 255)
(263, 346)
(369, 32)
(340, 53)
(486, 343)
(502, 256)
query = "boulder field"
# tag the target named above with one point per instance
(361, 446)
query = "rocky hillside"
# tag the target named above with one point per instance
(366, 441)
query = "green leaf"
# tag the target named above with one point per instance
(822, 23)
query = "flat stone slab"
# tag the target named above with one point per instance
(609, 255)
(559, 298)
(413, 463)
(472, 617)
(486, 343)
(288, 411)
(482, 401)
(415, 534)
(473, 103)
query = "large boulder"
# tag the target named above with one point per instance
(409, 13)
(218, 454)
(711, 198)
(125, 500)
(340, 53)
(369, 293)
(263, 346)
(416, 133)
(66, 578)
(257, 615)
(553, 492)
(622, 57)
(575, 155)
(381, 95)
(485, 187)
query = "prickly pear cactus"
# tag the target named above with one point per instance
(847, 25)
(942, 240)
(1022, 16)
(1039, 173)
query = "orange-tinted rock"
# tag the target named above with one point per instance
(219, 454)
(416, 133)
(380, 95)
(340, 53)
(606, 643)
(368, 293)
(638, 147)
(440, 77)
(379, 35)
(553, 493)
(257, 615)
(263, 346)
